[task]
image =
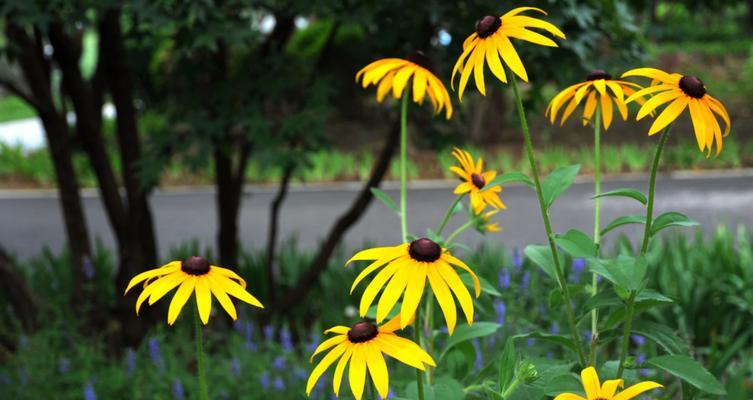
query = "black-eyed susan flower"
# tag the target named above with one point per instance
(682, 92)
(485, 225)
(475, 182)
(193, 275)
(363, 346)
(405, 268)
(608, 391)
(394, 74)
(598, 89)
(491, 45)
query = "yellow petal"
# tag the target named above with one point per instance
(339, 329)
(413, 292)
(357, 370)
(324, 364)
(403, 350)
(606, 111)
(670, 113)
(652, 73)
(699, 123)
(401, 80)
(458, 288)
(719, 109)
(458, 263)
(568, 396)
(392, 293)
(657, 101)
(419, 85)
(492, 58)
(385, 86)
(370, 269)
(468, 68)
(180, 298)
(392, 325)
(164, 270)
(165, 284)
(510, 56)
(376, 253)
(609, 388)
(589, 109)
(635, 390)
(328, 344)
(524, 21)
(444, 298)
(237, 291)
(601, 86)
(519, 10)
(378, 283)
(467, 49)
(616, 90)
(591, 383)
(228, 273)
(203, 299)
(529, 36)
(222, 297)
(478, 66)
(647, 91)
(377, 369)
(569, 110)
(338, 378)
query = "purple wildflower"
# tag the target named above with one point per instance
(286, 340)
(89, 271)
(235, 367)
(638, 340)
(154, 353)
(178, 392)
(517, 258)
(501, 309)
(130, 357)
(89, 393)
(504, 278)
(279, 384)
(269, 333)
(579, 264)
(279, 363)
(64, 365)
(264, 381)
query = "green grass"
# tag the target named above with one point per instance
(13, 108)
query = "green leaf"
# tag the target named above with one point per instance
(467, 332)
(385, 199)
(509, 177)
(652, 297)
(542, 256)
(559, 339)
(671, 218)
(624, 220)
(661, 335)
(625, 192)
(507, 365)
(625, 271)
(690, 371)
(576, 243)
(486, 286)
(557, 182)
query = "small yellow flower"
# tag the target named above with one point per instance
(363, 345)
(393, 74)
(598, 88)
(491, 42)
(475, 182)
(492, 227)
(681, 92)
(596, 391)
(407, 267)
(194, 274)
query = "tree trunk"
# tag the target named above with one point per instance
(21, 299)
(274, 222)
(37, 76)
(309, 278)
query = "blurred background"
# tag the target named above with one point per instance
(137, 132)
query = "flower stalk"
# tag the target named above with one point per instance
(403, 165)
(630, 304)
(597, 229)
(200, 371)
(547, 224)
(449, 213)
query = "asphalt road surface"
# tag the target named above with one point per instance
(30, 220)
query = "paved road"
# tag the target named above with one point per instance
(30, 220)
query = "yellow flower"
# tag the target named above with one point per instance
(682, 92)
(491, 42)
(490, 227)
(194, 274)
(475, 181)
(407, 266)
(596, 391)
(394, 73)
(363, 345)
(599, 88)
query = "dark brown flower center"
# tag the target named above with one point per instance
(195, 265)
(487, 25)
(598, 74)
(424, 250)
(478, 181)
(362, 332)
(692, 86)
(420, 58)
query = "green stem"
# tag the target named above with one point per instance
(651, 190)
(428, 329)
(547, 224)
(597, 230)
(449, 213)
(417, 338)
(203, 392)
(457, 232)
(514, 384)
(627, 326)
(403, 165)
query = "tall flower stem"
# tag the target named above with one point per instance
(403, 165)
(547, 224)
(597, 229)
(449, 213)
(203, 392)
(404, 218)
(627, 326)
(458, 231)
